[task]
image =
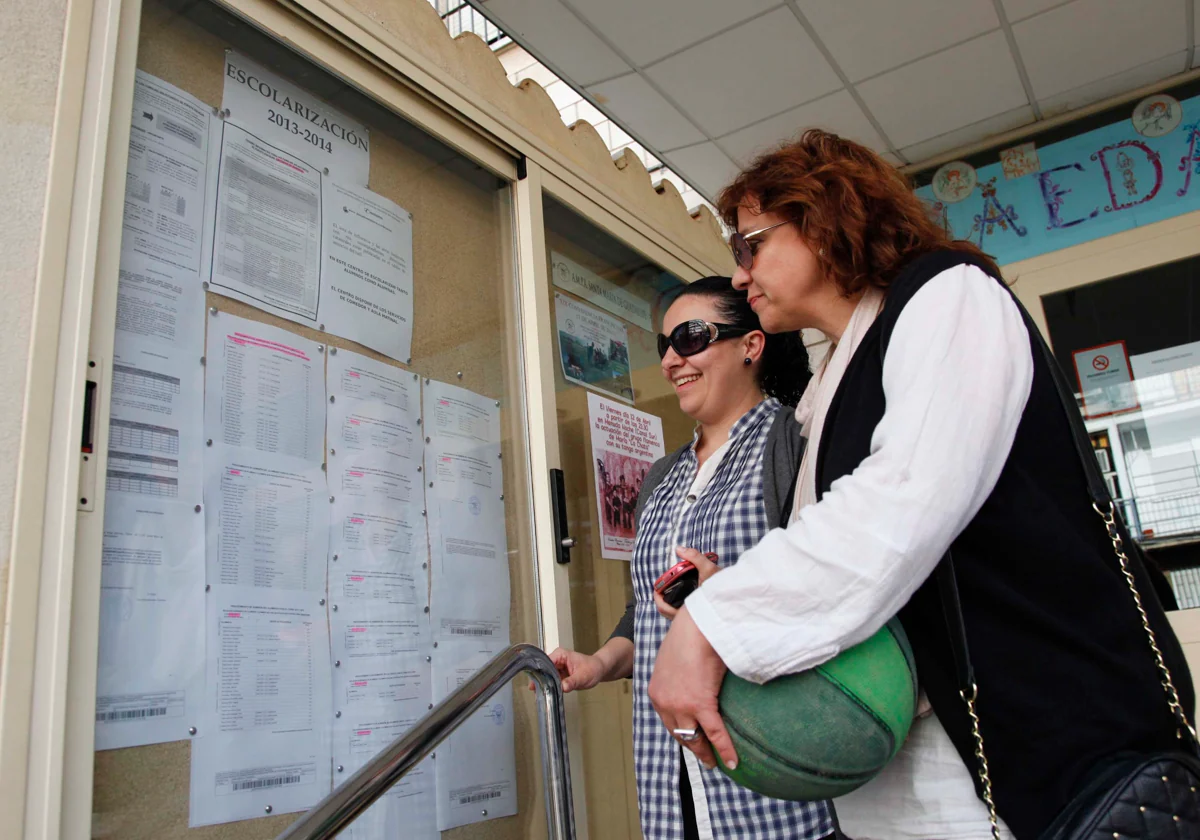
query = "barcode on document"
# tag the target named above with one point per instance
(470, 631)
(478, 797)
(130, 714)
(274, 781)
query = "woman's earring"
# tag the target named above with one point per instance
(821, 252)
(747, 361)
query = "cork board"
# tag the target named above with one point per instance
(463, 333)
(600, 588)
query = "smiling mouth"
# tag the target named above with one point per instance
(685, 380)
(754, 300)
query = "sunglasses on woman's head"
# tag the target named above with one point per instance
(744, 249)
(690, 337)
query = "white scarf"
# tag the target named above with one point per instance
(814, 403)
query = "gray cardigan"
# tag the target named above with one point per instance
(781, 463)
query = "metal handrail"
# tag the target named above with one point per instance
(359, 792)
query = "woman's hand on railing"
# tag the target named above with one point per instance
(578, 671)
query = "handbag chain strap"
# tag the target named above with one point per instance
(1114, 533)
(982, 768)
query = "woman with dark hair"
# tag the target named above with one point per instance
(720, 493)
(935, 429)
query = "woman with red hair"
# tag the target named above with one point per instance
(935, 428)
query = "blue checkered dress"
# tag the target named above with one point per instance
(727, 518)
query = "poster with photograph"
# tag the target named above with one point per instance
(625, 442)
(593, 347)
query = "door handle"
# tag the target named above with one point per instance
(563, 541)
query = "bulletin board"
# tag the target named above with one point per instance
(463, 334)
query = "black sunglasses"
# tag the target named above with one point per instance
(744, 249)
(690, 337)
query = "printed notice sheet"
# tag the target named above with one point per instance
(265, 389)
(625, 442)
(267, 235)
(166, 178)
(366, 275)
(268, 521)
(476, 767)
(286, 116)
(593, 348)
(378, 539)
(468, 547)
(150, 660)
(266, 745)
(382, 686)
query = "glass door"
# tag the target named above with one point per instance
(606, 302)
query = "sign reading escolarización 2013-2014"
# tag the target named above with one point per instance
(1092, 185)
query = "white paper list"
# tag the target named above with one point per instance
(468, 545)
(476, 767)
(268, 521)
(378, 538)
(267, 235)
(265, 389)
(265, 742)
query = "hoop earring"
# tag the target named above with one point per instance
(747, 361)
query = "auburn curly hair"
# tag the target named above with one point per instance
(848, 201)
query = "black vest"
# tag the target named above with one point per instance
(1065, 673)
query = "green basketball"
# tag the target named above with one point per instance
(823, 732)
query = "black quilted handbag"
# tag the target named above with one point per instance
(1132, 797)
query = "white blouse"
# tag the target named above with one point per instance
(956, 377)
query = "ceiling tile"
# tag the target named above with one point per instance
(867, 37)
(1120, 35)
(1016, 10)
(559, 37)
(837, 112)
(966, 135)
(705, 166)
(946, 91)
(777, 66)
(1115, 85)
(631, 100)
(646, 31)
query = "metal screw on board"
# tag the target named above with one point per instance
(212, 310)
(198, 508)
(191, 730)
(422, 512)
(217, 110)
(431, 484)
(207, 587)
(459, 374)
(428, 658)
(337, 663)
(335, 558)
(419, 468)
(427, 380)
(323, 468)
(331, 399)
(484, 812)
(208, 442)
(416, 376)
(332, 351)
(268, 809)
(326, 170)
(321, 602)
(499, 455)
(321, 347)
(203, 361)
(427, 609)
(497, 403)
(335, 607)
(337, 714)
(204, 285)
(321, 327)
(435, 644)
(431, 705)
(424, 565)
(341, 768)
(502, 497)
(332, 451)
(427, 440)
(418, 421)
(331, 498)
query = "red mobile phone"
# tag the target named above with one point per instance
(679, 581)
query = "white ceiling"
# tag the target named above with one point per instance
(706, 84)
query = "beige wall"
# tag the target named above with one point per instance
(29, 64)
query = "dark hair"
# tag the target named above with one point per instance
(783, 369)
(853, 208)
